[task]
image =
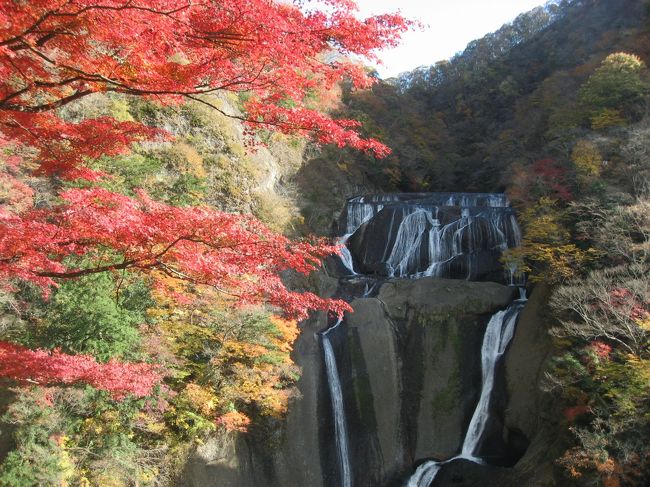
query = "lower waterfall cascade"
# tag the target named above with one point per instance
(499, 332)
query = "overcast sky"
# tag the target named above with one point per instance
(450, 26)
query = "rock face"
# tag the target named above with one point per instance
(409, 363)
(435, 328)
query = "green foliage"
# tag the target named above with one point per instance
(92, 316)
(615, 86)
(187, 190)
(129, 171)
(82, 437)
(38, 458)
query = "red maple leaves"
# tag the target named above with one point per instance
(63, 148)
(46, 367)
(53, 52)
(234, 253)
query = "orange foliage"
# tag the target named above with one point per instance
(289, 330)
(234, 421)
(202, 399)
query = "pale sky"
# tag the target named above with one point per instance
(449, 26)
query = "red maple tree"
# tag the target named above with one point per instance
(233, 253)
(54, 52)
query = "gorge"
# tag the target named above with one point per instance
(173, 310)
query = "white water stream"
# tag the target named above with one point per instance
(340, 424)
(346, 256)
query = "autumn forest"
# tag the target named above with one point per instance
(171, 177)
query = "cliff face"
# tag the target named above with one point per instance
(409, 364)
(421, 397)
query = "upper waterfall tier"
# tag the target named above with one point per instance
(361, 208)
(454, 235)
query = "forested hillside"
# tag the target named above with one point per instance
(509, 97)
(553, 109)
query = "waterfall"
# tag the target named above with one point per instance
(346, 256)
(457, 235)
(336, 396)
(425, 474)
(498, 334)
(423, 246)
(405, 252)
(522, 294)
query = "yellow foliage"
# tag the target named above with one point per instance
(245, 355)
(289, 330)
(587, 159)
(201, 399)
(188, 159)
(277, 212)
(240, 350)
(66, 463)
(150, 424)
(515, 258)
(560, 262)
(119, 109)
(623, 61)
(607, 117)
(543, 223)
(640, 366)
(644, 323)
(547, 244)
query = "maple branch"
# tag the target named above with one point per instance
(56, 13)
(46, 106)
(92, 270)
(34, 26)
(154, 259)
(214, 107)
(119, 87)
(246, 119)
(15, 94)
